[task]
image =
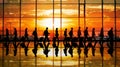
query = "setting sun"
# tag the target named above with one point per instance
(48, 22)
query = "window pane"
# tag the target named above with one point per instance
(11, 23)
(70, 10)
(1, 10)
(30, 25)
(81, 11)
(1, 1)
(47, 1)
(108, 1)
(118, 10)
(93, 10)
(45, 10)
(28, 10)
(117, 63)
(108, 24)
(12, 1)
(28, 1)
(108, 10)
(70, 1)
(118, 52)
(117, 26)
(11, 10)
(117, 1)
(93, 1)
(90, 23)
(0, 27)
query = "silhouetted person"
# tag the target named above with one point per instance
(56, 33)
(26, 33)
(101, 42)
(85, 36)
(15, 44)
(7, 42)
(65, 36)
(35, 41)
(71, 33)
(95, 41)
(7, 34)
(110, 42)
(86, 33)
(79, 32)
(94, 37)
(54, 42)
(15, 34)
(55, 46)
(65, 33)
(46, 34)
(101, 36)
(35, 37)
(110, 34)
(93, 33)
(35, 34)
(57, 36)
(80, 42)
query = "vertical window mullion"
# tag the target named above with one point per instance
(115, 30)
(84, 25)
(61, 29)
(3, 36)
(36, 26)
(53, 30)
(20, 32)
(102, 25)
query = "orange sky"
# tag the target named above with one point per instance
(69, 14)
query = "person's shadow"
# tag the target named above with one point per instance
(35, 50)
(56, 51)
(80, 45)
(110, 49)
(66, 45)
(40, 42)
(15, 48)
(86, 51)
(55, 46)
(71, 50)
(45, 49)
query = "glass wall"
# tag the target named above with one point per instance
(61, 14)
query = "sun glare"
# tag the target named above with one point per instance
(48, 22)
